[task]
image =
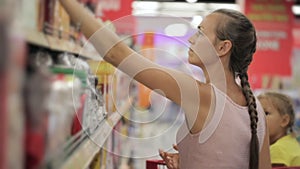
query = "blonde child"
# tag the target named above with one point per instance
(284, 149)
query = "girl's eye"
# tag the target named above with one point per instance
(267, 113)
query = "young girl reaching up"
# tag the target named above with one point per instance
(224, 124)
(284, 149)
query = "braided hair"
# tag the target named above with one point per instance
(237, 28)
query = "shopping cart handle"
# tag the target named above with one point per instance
(154, 163)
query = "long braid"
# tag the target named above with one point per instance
(254, 145)
(241, 32)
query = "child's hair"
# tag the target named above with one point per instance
(283, 104)
(237, 28)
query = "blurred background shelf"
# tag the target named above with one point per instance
(85, 153)
(43, 40)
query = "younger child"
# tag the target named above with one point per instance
(280, 116)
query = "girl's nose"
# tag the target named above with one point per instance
(192, 39)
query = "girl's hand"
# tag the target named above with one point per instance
(171, 159)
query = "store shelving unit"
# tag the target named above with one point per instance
(45, 145)
(57, 44)
(86, 145)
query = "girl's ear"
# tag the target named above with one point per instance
(224, 47)
(285, 120)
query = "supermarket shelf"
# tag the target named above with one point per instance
(85, 153)
(36, 38)
(56, 44)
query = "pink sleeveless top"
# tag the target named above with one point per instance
(224, 141)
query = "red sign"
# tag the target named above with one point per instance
(118, 12)
(273, 22)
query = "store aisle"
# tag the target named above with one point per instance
(152, 130)
(150, 149)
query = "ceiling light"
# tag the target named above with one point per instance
(196, 21)
(296, 9)
(191, 1)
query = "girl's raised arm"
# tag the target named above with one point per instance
(177, 86)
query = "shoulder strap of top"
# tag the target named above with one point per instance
(211, 126)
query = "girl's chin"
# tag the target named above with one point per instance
(191, 61)
(190, 52)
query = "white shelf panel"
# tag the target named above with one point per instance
(54, 43)
(36, 38)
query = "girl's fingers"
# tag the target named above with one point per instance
(175, 147)
(169, 158)
(161, 153)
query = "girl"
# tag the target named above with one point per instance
(285, 150)
(225, 126)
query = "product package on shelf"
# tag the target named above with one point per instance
(96, 162)
(61, 102)
(36, 92)
(107, 82)
(55, 97)
(41, 14)
(57, 21)
(94, 111)
(77, 119)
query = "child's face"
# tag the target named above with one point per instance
(275, 120)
